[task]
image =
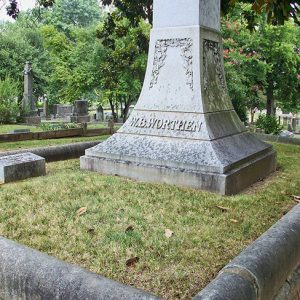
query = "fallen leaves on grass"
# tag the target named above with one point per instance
(129, 229)
(91, 230)
(81, 211)
(168, 233)
(296, 198)
(234, 221)
(222, 208)
(131, 262)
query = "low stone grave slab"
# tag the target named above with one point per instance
(20, 131)
(21, 166)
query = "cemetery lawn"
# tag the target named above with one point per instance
(181, 237)
(46, 143)
(8, 128)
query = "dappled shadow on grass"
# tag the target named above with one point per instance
(43, 213)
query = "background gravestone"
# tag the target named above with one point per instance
(64, 111)
(81, 112)
(184, 129)
(28, 102)
(100, 114)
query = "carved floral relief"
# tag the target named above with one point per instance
(160, 55)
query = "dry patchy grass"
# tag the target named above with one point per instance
(41, 213)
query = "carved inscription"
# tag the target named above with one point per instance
(212, 56)
(160, 55)
(165, 124)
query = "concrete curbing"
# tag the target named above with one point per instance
(277, 139)
(262, 269)
(57, 153)
(29, 274)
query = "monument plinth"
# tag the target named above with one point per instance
(184, 129)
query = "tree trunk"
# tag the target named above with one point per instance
(270, 97)
(126, 109)
(252, 112)
(113, 111)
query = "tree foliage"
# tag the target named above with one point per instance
(124, 63)
(75, 63)
(19, 44)
(9, 107)
(261, 65)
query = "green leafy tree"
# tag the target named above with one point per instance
(18, 44)
(78, 13)
(277, 11)
(260, 63)
(75, 60)
(123, 66)
(9, 107)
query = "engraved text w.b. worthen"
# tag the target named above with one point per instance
(165, 124)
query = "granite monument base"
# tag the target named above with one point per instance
(229, 183)
(226, 170)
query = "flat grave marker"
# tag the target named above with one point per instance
(21, 166)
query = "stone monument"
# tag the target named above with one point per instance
(64, 111)
(28, 103)
(46, 107)
(81, 112)
(184, 130)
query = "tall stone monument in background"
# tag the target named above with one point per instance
(28, 102)
(184, 130)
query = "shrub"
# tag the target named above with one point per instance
(57, 126)
(269, 124)
(9, 108)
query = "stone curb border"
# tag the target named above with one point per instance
(262, 270)
(54, 134)
(57, 153)
(29, 274)
(277, 139)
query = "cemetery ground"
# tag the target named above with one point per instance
(167, 240)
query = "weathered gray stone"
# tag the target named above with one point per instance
(184, 130)
(56, 153)
(29, 274)
(20, 131)
(291, 288)
(46, 107)
(81, 112)
(28, 104)
(62, 111)
(262, 269)
(21, 166)
(287, 134)
(278, 139)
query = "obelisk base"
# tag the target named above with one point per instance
(229, 183)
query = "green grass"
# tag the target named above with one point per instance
(41, 213)
(46, 143)
(8, 128)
